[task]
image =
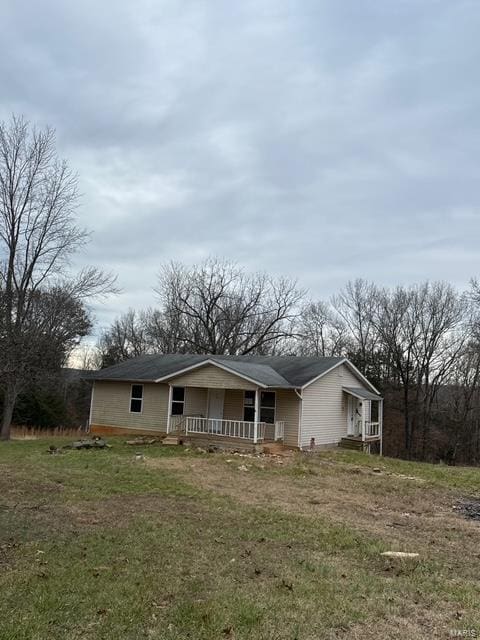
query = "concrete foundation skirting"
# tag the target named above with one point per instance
(110, 430)
(196, 440)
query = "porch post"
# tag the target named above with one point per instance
(169, 407)
(363, 421)
(257, 413)
(380, 424)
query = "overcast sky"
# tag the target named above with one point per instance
(321, 139)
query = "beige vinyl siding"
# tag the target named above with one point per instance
(324, 411)
(288, 409)
(233, 405)
(111, 406)
(213, 377)
(195, 402)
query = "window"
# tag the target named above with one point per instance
(249, 406)
(267, 406)
(136, 398)
(178, 401)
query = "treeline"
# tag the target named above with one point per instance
(59, 400)
(419, 344)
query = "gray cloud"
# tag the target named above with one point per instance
(322, 140)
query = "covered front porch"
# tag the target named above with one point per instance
(244, 415)
(364, 418)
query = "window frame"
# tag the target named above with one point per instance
(132, 397)
(248, 406)
(274, 407)
(182, 402)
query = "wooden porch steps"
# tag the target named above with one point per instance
(172, 439)
(371, 445)
(351, 443)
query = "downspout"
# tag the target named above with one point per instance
(91, 408)
(169, 408)
(380, 417)
(363, 426)
(300, 413)
(257, 414)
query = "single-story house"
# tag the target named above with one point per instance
(303, 402)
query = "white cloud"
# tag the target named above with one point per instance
(323, 140)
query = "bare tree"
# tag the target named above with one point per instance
(136, 333)
(459, 401)
(396, 324)
(125, 338)
(38, 235)
(458, 423)
(215, 307)
(417, 327)
(163, 331)
(355, 304)
(322, 332)
(86, 357)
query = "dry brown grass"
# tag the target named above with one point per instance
(34, 433)
(392, 506)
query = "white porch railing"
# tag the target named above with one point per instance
(227, 428)
(279, 430)
(372, 429)
(175, 424)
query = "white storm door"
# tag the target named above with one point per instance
(350, 416)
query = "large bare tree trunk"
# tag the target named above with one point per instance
(406, 422)
(8, 407)
(406, 419)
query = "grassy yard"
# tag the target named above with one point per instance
(97, 544)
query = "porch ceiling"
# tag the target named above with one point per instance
(363, 394)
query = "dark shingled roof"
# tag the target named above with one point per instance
(271, 371)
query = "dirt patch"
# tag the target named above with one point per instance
(410, 516)
(470, 509)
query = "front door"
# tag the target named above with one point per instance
(350, 416)
(354, 416)
(216, 399)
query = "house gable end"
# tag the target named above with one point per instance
(212, 375)
(324, 410)
(353, 370)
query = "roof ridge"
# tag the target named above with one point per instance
(291, 371)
